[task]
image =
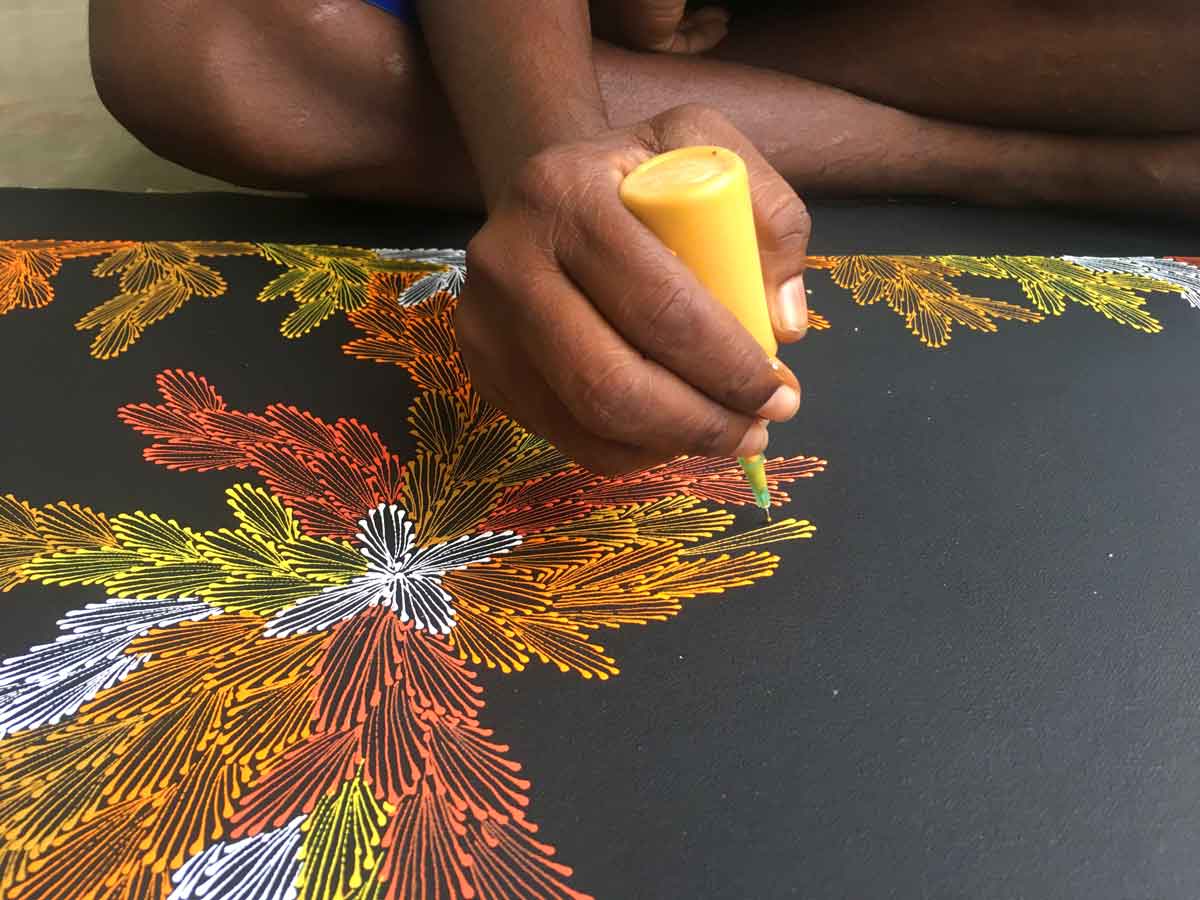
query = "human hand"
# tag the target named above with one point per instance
(661, 25)
(577, 321)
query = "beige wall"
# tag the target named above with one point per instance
(54, 132)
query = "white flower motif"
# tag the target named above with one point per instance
(261, 867)
(52, 681)
(405, 578)
(449, 279)
(1184, 276)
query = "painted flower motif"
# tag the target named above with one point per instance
(325, 279)
(52, 681)
(156, 279)
(922, 290)
(25, 277)
(28, 267)
(450, 279)
(1178, 272)
(400, 576)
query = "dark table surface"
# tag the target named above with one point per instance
(982, 677)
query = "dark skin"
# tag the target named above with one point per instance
(574, 319)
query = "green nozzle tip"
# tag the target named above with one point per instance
(756, 474)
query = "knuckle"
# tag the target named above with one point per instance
(670, 310)
(555, 193)
(544, 179)
(785, 216)
(484, 259)
(709, 435)
(611, 398)
(580, 225)
(691, 123)
(702, 115)
(750, 382)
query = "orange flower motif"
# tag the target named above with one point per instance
(25, 278)
(26, 268)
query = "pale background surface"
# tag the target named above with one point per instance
(54, 132)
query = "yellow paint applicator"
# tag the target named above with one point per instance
(697, 201)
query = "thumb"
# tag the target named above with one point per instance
(660, 25)
(783, 226)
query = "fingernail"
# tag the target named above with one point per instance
(754, 441)
(792, 309)
(782, 405)
(786, 375)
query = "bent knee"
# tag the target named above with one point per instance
(267, 94)
(115, 54)
(150, 72)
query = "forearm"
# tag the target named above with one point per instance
(830, 142)
(519, 75)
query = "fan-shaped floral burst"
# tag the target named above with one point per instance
(449, 278)
(921, 288)
(26, 268)
(328, 279)
(1051, 282)
(156, 279)
(1180, 272)
(287, 707)
(400, 576)
(25, 277)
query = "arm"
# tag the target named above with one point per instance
(519, 75)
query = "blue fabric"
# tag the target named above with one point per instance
(401, 8)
